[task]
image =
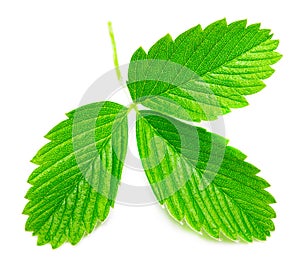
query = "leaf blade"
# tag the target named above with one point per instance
(232, 60)
(76, 181)
(234, 201)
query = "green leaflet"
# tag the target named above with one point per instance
(233, 202)
(227, 62)
(76, 181)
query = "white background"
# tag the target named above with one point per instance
(51, 51)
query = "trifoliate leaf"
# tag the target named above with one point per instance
(202, 181)
(202, 74)
(79, 170)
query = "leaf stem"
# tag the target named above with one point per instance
(115, 55)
